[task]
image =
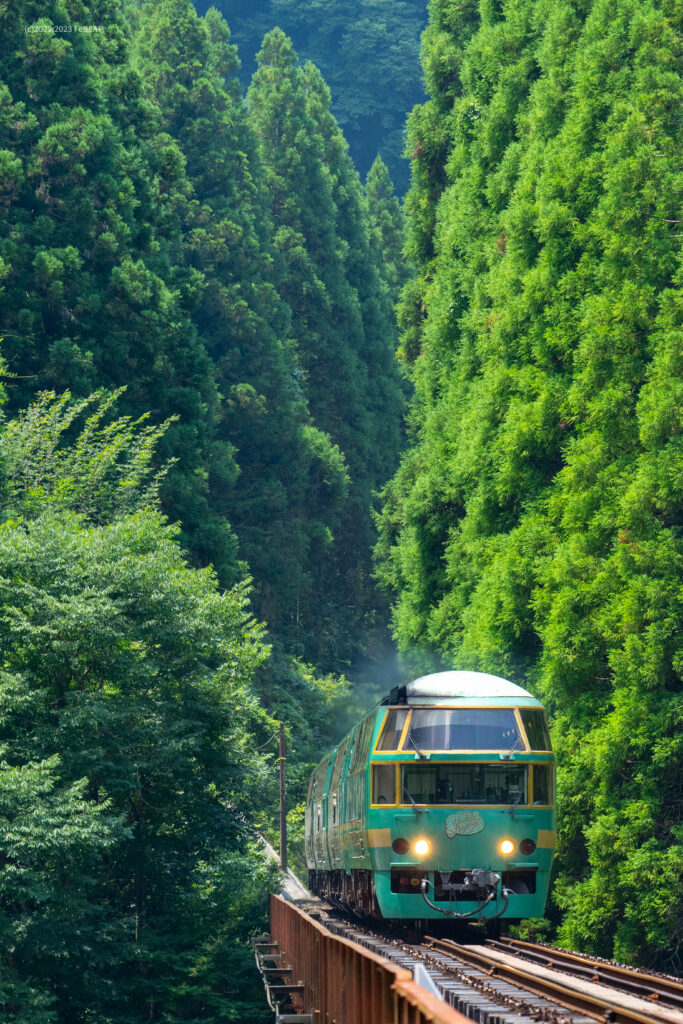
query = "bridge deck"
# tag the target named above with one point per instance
(335, 979)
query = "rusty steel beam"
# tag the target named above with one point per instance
(345, 983)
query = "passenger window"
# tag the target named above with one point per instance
(383, 784)
(338, 765)
(536, 728)
(320, 778)
(360, 751)
(543, 784)
(393, 727)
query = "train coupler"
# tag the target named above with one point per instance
(477, 884)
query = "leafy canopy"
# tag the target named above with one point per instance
(129, 778)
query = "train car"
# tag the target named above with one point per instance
(440, 803)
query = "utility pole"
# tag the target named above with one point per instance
(283, 801)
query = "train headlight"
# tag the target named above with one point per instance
(421, 847)
(506, 847)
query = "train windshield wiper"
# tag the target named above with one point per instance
(409, 737)
(517, 801)
(418, 810)
(515, 743)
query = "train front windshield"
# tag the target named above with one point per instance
(464, 783)
(464, 729)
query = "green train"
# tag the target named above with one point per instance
(440, 803)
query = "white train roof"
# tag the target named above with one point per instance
(455, 686)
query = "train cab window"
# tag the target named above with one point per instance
(384, 783)
(543, 784)
(468, 783)
(463, 729)
(393, 727)
(536, 728)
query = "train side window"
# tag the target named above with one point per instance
(543, 784)
(362, 747)
(334, 808)
(393, 727)
(384, 784)
(338, 765)
(320, 778)
(536, 728)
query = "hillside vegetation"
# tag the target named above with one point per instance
(535, 526)
(202, 443)
(368, 52)
(201, 403)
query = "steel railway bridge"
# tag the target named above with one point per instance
(319, 968)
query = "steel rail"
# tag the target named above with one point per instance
(646, 985)
(601, 1008)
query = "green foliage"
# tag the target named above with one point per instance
(284, 495)
(367, 51)
(53, 841)
(217, 979)
(129, 776)
(148, 243)
(217, 309)
(95, 292)
(317, 710)
(106, 469)
(341, 321)
(164, 256)
(533, 528)
(387, 230)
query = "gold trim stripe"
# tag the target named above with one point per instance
(546, 839)
(379, 837)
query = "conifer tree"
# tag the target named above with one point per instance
(387, 230)
(374, 341)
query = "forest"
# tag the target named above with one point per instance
(273, 432)
(201, 402)
(368, 53)
(535, 525)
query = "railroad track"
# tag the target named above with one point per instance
(654, 987)
(470, 991)
(508, 981)
(577, 994)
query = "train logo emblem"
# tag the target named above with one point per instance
(464, 823)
